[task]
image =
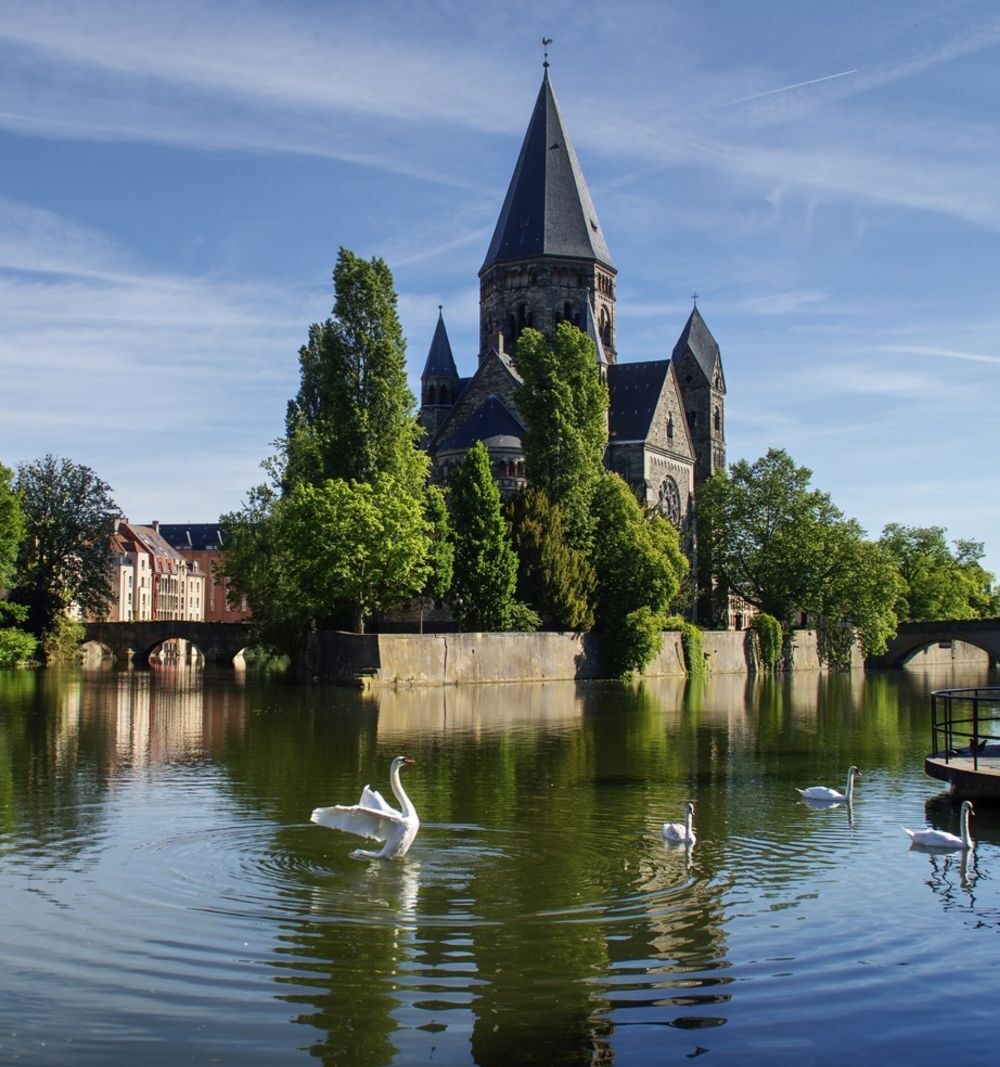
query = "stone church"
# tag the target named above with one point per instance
(547, 262)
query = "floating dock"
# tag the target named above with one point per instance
(965, 744)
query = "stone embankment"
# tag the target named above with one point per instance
(467, 658)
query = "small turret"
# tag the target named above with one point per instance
(439, 382)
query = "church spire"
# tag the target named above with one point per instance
(548, 210)
(440, 362)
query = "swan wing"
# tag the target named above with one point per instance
(372, 798)
(934, 838)
(820, 792)
(677, 833)
(359, 819)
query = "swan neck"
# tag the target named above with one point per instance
(966, 838)
(405, 804)
(849, 791)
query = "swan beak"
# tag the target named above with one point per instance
(407, 760)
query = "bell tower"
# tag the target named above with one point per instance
(548, 260)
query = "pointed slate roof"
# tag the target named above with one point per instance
(697, 337)
(440, 362)
(633, 392)
(547, 210)
(492, 422)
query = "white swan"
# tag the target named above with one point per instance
(680, 833)
(941, 838)
(825, 793)
(373, 817)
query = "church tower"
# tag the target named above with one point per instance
(548, 260)
(439, 383)
(702, 384)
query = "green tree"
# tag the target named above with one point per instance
(351, 435)
(939, 583)
(11, 527)
(366, 543)
(65, 555)
(785, 547)
(260, 564)
(354, 416)
(564, 404)
(16, 645)
(640, 569)
(441, 552)
(554, 577)
(485, 576)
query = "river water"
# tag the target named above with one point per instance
(165, 900)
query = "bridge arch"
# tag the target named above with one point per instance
(135, 642)
(912, 637)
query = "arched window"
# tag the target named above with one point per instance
(717, 419)
(605, 328)
(670, 427)
(669, 503)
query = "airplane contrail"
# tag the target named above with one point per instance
(797, 85)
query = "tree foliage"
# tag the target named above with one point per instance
(768, 640)
(65, 555)
(558, 579)
(639, 565)
(564, 404)
(16, 646)
(366, 543)
(940, 583)
(485, 575)
(11, 527)
(354, 415)
(441, 551)
(346, 523)
(784, 547)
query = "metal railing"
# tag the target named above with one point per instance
(957, 719)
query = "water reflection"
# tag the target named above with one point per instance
(539, 917)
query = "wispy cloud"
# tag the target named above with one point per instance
(788, 88)
(939, 353)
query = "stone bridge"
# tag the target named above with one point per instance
(219, 642)
(913, 636)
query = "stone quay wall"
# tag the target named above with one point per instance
(471, 658)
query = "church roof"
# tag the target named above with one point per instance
(634, 391)
(547, 210)
(492, 422)
(440, 362)
(697, 337)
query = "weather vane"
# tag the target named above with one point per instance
(546, 41)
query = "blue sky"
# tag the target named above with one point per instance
(176, 179)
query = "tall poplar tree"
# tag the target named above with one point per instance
(344, 527)
(564, 404)
(354, 415)
(485, 565)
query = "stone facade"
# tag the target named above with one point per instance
(548, 262)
